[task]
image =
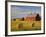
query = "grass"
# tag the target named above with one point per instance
(26, 26)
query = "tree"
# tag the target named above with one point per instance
(38, 18)
(14, 19)
(22, 19)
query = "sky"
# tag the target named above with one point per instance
(22, 11)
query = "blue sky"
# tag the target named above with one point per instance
(21, 11)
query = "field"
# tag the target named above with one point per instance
(19, 25)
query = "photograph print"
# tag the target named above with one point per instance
(25, 18)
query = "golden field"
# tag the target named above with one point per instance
(26, 25)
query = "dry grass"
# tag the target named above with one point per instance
(26, 25)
